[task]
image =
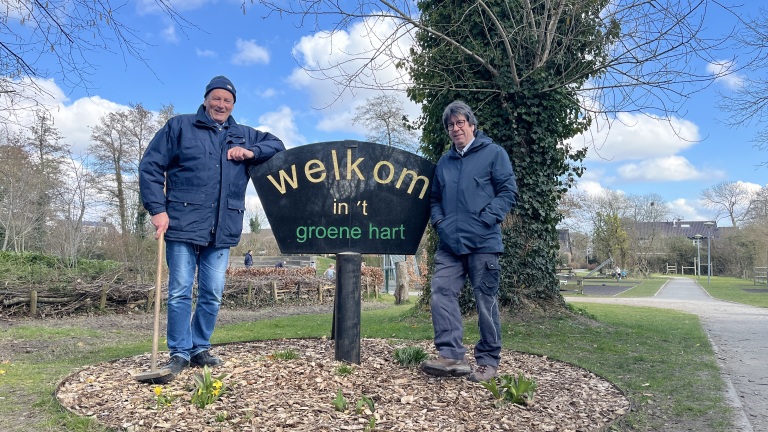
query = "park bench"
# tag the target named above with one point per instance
(565, 275)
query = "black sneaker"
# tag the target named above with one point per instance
(204, 358)
(177, 364)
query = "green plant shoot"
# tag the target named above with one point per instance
(517, 390)
(410, 356)
(340, 403)
(207, 389)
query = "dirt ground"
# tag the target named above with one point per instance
(100, 329)
(558, 379)
(138, 327)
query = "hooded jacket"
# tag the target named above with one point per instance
(471, 195)
(204, 192)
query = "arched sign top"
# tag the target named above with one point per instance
(345, 196)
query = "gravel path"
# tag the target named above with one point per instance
(739, 335)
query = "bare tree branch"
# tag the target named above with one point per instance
(56, 39)
(652, 62)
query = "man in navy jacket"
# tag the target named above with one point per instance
(473, 190)
(193, 178)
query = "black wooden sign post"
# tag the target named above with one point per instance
(347, 198)
(346, 308)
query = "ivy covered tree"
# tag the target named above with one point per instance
(530, 118)
(537, 73)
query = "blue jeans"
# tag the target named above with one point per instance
(188, 333)
(451, 272)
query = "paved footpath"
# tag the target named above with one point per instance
(739, 335)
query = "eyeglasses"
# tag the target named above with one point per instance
(459, 124)
(218, 100)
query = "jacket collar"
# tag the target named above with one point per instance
(481, 140)
(202, 119)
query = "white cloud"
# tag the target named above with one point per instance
(282, 124)
(153, 7)
(590, 182)
(249, 52)
(591, 187)
(267, 93)
(343, 54)
(753, 188)
(723, 72)
(169, 34)
(205, 53)
(74, 121)
(638, 136)
(671, 168)
(683, 209)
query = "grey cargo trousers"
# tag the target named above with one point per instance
(451, 272)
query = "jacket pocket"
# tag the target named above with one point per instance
(489, 283)
(232, 225)
(479, 195)
(185, 209)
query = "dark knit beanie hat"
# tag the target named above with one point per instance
(221, 82)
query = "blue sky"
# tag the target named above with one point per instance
(262, 57)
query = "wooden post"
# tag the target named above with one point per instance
(401, 292)
(320, 292)
(33, 303)
(273, 285)
(249, 300)
(150, 300)
(103, 300)
(346, 311)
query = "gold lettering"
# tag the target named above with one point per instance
(389, 177)
(284, 178)
(335, 165)
(416, 178)
(308, 171)
(353, 166)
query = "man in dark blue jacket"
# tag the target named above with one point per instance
(473, 190)
(193, 178)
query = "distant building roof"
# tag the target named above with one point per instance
(677, 228)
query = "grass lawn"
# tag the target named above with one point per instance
(735, 290)
(660, 358)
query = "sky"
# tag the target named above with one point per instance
(264, 57)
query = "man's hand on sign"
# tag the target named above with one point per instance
(239, 153)
(160, 222)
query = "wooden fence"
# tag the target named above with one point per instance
(761, 275)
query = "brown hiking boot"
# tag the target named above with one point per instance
(483, 373)
(446, 367)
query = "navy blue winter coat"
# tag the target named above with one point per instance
(471, 195)
(205, 192)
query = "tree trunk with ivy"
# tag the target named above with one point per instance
(530, 119)
(534, 72)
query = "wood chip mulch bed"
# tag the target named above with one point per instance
(265, 393)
